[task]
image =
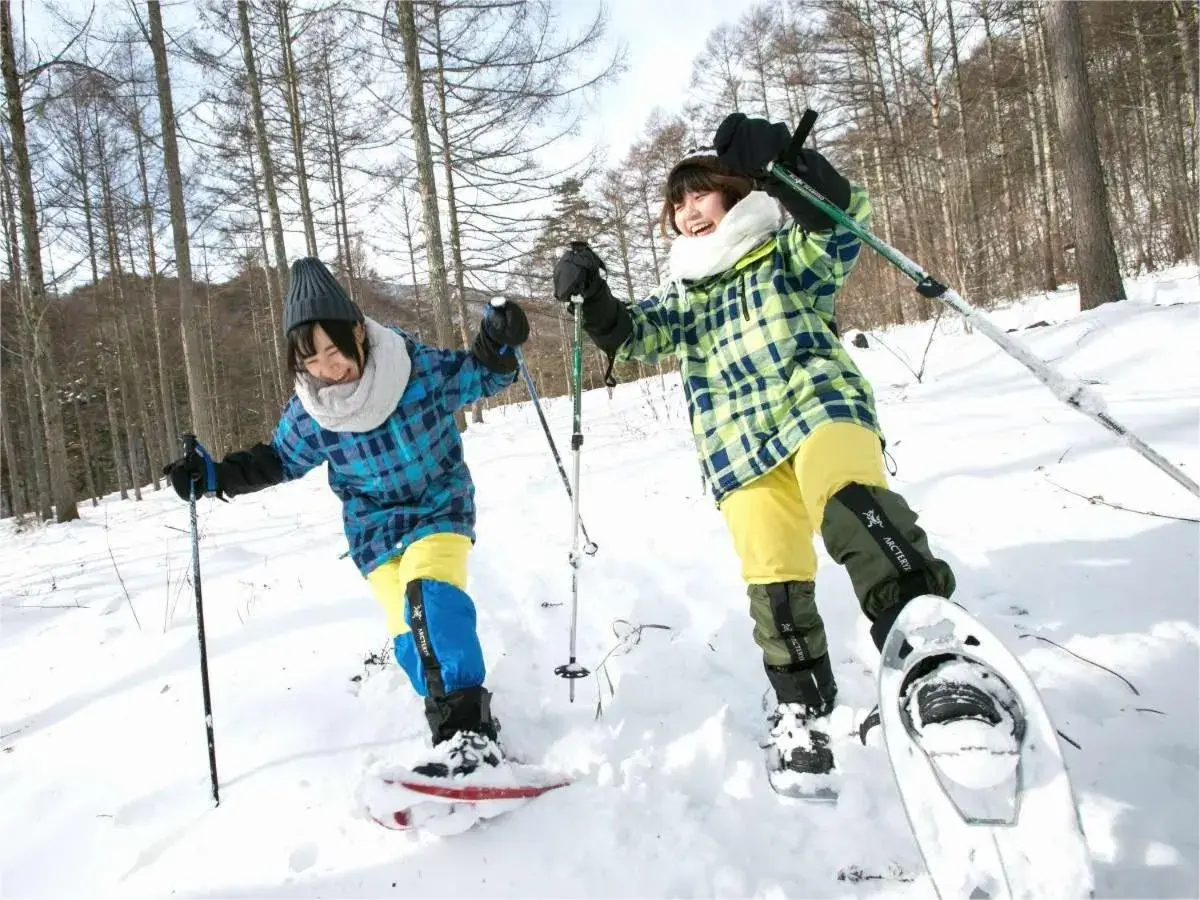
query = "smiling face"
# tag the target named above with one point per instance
(327, 363)
(330, 352)
(699, 212)
(699, 193)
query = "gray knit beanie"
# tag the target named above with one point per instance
(314, 294)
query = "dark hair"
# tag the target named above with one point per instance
(703, 173)
(341, 333)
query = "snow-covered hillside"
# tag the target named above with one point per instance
(104, 770)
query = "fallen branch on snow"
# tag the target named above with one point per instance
(124, 590)
(1098, 500)
(1068, 740)
(1082, 658)
(627, 639)
(918, 374)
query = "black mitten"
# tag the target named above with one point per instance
(747, 145)
(197, 470)
(240, 472)
(579, 272)
(504, 326)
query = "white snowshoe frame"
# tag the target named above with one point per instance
(1021, 838)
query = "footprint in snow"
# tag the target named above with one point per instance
(302, 857)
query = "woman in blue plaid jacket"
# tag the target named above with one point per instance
(378, 408)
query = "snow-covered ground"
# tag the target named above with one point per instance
(104, 768)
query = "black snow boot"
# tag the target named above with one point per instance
(465, 735)
(799, 729)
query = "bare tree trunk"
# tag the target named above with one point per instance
(203, 425)
(909, 178)
(935, 120)
(1185, 32)
(882, 196)
(1056, 197)
(644, 190)
(343, 255)
(1041, 167)
(1123, 173)
(109, 343)
(1180, 199)
(220, 427)
(973, 231)
(18, 495)
(270, 276)
(1099, 275)
(265, 393)
(170, 428)
(33, 417)
(126, 360)
(27, 319)
(337, 184)
(621, 227)
(119, 331)
(755, 33)
(291, 94)
(1186, 35)
(151, 437)
(61, 487)
(897, 139)
(412, 261)
(1184, 200)
(448, 170)
(1013, 263)
(18, 467)
(275, 281)
(89, 479)
(897, 298)
(429, 206)
(565, 343)
(1149, 181)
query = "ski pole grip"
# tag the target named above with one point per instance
(189, 450)
(192, 447)
(800, 135)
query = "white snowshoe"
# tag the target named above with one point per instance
(977, 761)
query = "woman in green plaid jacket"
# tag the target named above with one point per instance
(784, 422)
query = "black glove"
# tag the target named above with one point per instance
(746, 146)
(578, 272)
(194, 469)
(504, 325)
(240, 472)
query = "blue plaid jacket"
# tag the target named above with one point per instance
(407, 478)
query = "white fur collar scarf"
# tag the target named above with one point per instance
(364, 404)
(742, 229)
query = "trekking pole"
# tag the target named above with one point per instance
(590, 546)
(192, 446)
(498, 303)
(572, 669)
(1070, 391)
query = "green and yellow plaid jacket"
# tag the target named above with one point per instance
(759, 358)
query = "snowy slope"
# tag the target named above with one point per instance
(104, 771)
